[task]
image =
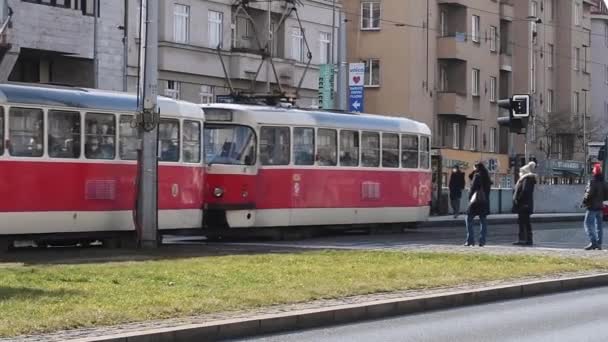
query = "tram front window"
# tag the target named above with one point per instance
(229, 144)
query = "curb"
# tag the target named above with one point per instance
(503, 220)
(306, 319)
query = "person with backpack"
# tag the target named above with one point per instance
(456, 185)
(523, 203)
(595, 195)
(479, 204)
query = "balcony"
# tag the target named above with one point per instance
(506, 62)
(506, 10)
(464, 3)
(451, 103)
(453, 47)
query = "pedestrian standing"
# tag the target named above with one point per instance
(456, 185)
(595, 195)
(523, 203)
(479, 204)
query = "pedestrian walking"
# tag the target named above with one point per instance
(456, 185)
(523, 203)
(595, 195)
(479, 204)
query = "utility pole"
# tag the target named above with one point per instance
(95, 57)
(269, 46)
(147, 194)
(342, 65)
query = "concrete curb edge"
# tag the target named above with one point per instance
(500, 220)
(305, 319)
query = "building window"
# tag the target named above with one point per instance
(297, 44)
(577, 14)
(181, 23)
(575, 107)
(372, 72)
(606, 74)
(206, 94)
(492, 140)
(550, 56)
(370, 15)
(455, 135)
(493, 36)
(88, 7)
(216, 23)
(473, 138)
(606, 109)
(492, 89)
(551, 9)
(606, 34)
(443, 78)
(443, 24)
(172, 89)
(475, 82)
(577, 58)
(475, 28)
(550, 101)
(325, 48)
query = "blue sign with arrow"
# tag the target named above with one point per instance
(356, 102)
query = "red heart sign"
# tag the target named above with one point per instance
(356, 79)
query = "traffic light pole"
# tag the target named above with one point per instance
(147, 194)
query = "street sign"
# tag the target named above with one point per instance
(356, 73)
(326, 86)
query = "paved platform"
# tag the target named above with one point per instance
(448, 220)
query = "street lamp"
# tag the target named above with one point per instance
(585, 135)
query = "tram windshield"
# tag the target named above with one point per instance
(229, 144)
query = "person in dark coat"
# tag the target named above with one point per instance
(456, 185)
(595, 195)
(479, 204)
(523, 203)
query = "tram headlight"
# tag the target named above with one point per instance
(218, 192)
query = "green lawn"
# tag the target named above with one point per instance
(45, 298)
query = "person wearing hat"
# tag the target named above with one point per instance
(523, 203)
(479, 204)
(456, 185)
(595, 195)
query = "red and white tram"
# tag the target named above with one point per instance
(68, 163)
(276, 167)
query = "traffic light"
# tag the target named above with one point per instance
(519, 107)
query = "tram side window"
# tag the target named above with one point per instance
(370, 149)
(409, 151)
(100, 136)
(390, 150)
(327, 147)
(304, 146)
(349, 148)
(168, 139)
(275, 146)
(1, 131)
(129, 136)
(26, 132)
(192, 141)
(425, 153)
(64, 134)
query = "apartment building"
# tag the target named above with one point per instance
(443, 62)
(599, 71)
(190, 32)
(553, 63)
(73, 42)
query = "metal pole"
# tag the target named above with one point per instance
(125, 52)
(343, 65)
(269, 46)
(147, 217)
(333, 31)
(95, 59)
(585, 138)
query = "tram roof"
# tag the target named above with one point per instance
(84, 98)
(289, 116)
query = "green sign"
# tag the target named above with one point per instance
(326, 86)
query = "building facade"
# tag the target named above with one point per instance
(553, 62)
(191, 31)
(67, 42)
(445, 63)
(599, 70)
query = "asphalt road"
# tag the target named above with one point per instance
(573, 316)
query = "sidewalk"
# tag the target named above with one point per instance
(446, 221)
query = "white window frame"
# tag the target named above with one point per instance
(575, 101)
(207, 94)
(532, 71)
(181, 23)
(215, 19)
(605, 109)
(606, 34)
(473, 138)
(606, 73)
(549, 100)
(324, 48)
(475, 24)
(577, 58)
(173, 89)
(455, 135)
(369, 73)
(297, 44)
(443, 23)
(493, 35)
(475, 81)
(577, 14)
(492, 140)
(493, 85)
(370, 7)
(551, 48)
(443, 78)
